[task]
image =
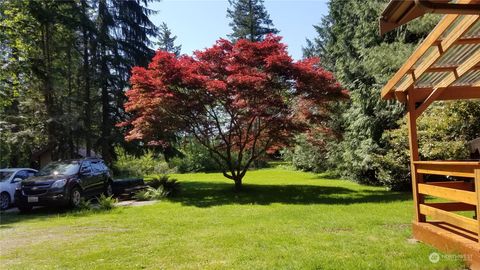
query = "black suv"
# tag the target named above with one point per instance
(65, 183)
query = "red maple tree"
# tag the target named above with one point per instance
(238, 100)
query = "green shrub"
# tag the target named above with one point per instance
(151, 193)
(130, 165)
(196, 158)
(142, 195)
(170, 186)
(306, 155)
(106, 203)
(442, 133)
(85, 205)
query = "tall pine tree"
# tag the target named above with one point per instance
(349, 45)
(65, 66)
(250, 20)
(166, 40)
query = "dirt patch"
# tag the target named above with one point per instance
(398, 226)
(135, 203)
(336, 230)
(12, 239)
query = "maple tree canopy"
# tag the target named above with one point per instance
(238, 100)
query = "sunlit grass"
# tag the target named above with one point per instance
(282, 220)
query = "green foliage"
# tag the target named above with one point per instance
(306, 155)
(443, 132)
(141, 195)
(170, 185)
(349, 44)
(196, 158)
(166, 40)
(130, 165)
(64, 70)
(106, 203)
(151, 194)
(250, 20)
(85, 205)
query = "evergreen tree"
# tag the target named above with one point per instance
(166, 41)
(65, 66)
(349, 44)
(250, 20)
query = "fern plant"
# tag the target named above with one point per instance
(151, 193)
(106, 203)
(170, 186)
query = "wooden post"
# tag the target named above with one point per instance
(477, 191)
(414, 156)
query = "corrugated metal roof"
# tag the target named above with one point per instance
(456, 55)
(450, 55)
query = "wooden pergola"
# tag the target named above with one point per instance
(445, 66)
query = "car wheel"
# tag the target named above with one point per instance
(4, 201)
(75, 197)
(109, 189)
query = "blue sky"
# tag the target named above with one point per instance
(199, 23)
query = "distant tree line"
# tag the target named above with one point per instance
(369, 143)
(65, 67)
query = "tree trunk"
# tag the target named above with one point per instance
(238, 184)
(87, 106)
(105, 140)
(47, 89)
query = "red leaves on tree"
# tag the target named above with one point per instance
(238, 100)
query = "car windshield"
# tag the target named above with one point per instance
(60, 168)
(5, 175)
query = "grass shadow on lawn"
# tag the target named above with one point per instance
(207, 194)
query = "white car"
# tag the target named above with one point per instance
(9, 181)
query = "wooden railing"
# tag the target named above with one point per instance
(463, 195)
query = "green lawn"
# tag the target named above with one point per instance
(283, 220)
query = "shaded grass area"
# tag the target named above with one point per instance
(282, 220)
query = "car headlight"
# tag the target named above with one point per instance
(59, 183)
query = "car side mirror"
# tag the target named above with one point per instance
(16, 180)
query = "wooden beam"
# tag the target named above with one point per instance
(449, 239)
(401, 96)
(441, 170)
(452, 194)
(448, 8)
(454, 219)
(477, 187)
(453, 206)
(461, 41)
(454, 184)
(450, 93)
(449, 69)
(429, 100)
(417, 178)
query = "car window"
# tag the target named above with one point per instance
(5, 175)
(86, 166)
(22, 175)
(60, 168)
(97, 167)
(31, 173)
